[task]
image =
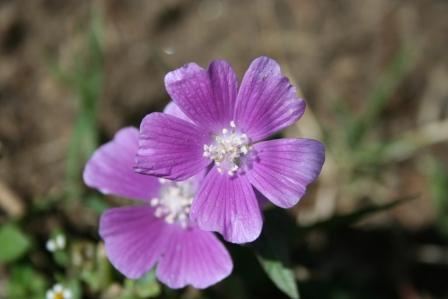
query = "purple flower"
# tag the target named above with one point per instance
(220, 127)
(157, 231)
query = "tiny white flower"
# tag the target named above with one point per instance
(60, 241)
(51, 245)
(58, 288)
(50, 294)
(59, 292)
(57, 243)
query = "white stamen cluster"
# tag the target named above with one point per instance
(56, 243)
(174, 202)
(59, 292)
(227, 149)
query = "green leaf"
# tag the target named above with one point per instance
(25, 282)
(99, 275)
(14, 243)
(145, 287)
(75, 286)
(272, 251)
(281, 275)
(61, 257)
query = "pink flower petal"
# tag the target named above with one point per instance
(206, 96)
(134, 239)
(282, 169)
(193, 257)
(170, 147)
(229, 206)
(266, 102)
(174, 110)
(110, 169)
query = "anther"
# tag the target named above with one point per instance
(227, 149)
(173, 204)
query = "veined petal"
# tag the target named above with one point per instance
(282, 169)
(170, 147)
(193, 257)
(174, 110)
(110, 169)
(134, 239)
(228, 205)
(266, 102)
(206, 96)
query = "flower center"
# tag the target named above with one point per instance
(173, 204)
(58, 295)
(227, 149)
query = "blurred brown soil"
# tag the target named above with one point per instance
(334, 50)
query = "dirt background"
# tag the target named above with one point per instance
(334, 50)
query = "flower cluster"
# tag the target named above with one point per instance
(202, 166)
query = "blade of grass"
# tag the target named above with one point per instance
(379, 97)
(437, 176)
(86, 81)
